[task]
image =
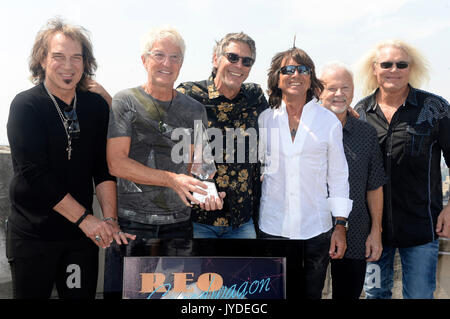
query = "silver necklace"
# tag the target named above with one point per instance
(64, 121)
(161, 125)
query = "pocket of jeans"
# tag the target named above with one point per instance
(416, 140)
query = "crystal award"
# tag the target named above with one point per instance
(203, 165)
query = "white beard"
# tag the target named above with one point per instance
(338, 109)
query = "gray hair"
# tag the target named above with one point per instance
(334, 65)
(219, 48)
(160, 33)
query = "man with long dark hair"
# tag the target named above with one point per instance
(57, 133)
(304, 160)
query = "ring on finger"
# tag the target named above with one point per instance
(120, 232)
(98, 238)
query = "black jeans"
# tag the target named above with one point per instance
(146, 235)
(36, 266)
(315, 262)
(347, 278)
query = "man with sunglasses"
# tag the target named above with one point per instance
(57, 133)
(231, 106)
(305, 176)
(413, 128)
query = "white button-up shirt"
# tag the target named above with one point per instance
(305, 179)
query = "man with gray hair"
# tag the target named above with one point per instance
(366, 178)
(154, 190)
(231, 106)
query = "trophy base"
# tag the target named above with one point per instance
(211, 190)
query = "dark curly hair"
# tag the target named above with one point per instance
(299, 56)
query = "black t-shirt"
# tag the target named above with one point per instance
(43, 175)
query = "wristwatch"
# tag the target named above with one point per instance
(342, 223)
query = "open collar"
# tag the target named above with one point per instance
(411, 99)
(213, 92)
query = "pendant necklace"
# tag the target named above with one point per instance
(64, 121)
(161, 125)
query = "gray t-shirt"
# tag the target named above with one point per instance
(150, 124)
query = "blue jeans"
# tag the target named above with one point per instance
(419, 265)
(246, 230)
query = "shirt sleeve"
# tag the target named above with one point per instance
(120, 118)
(337, 175)
(376, 177)
(28, 141)
(262, 142)
(444, 133)
(262, 101)
(101, 171)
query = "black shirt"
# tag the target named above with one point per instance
(43, 175)
(365, 173)
(411, 145)
(239, 180)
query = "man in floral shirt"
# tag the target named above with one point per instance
(232, 108)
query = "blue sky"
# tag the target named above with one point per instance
(327, 30)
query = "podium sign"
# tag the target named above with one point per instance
(162, 277)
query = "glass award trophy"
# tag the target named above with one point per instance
(203, 165)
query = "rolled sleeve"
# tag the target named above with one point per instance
(340, 207)
(337, 177)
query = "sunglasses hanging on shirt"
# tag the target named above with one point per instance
(69, 120)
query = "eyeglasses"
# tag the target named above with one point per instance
(234, 58)
(73, 126)
(388, 65)
(290, 69)
(161, 57)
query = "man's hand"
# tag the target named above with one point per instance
(212, 203)
(184, 185)
(374, 247)
(118, 235)
(352, 112)
(443, 222)
(100, 232)
(338, 242)
(95, 87)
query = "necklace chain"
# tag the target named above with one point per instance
(64, 120)
(161, 125)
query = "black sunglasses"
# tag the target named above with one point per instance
(73, 126)
(234, 58)
(388, 65)
(290, 69)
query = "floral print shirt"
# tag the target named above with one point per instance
(238, 171)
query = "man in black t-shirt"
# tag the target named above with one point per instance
(57, 134)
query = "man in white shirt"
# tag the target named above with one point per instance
(305, 179)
